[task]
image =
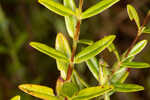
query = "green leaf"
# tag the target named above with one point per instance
(135, 65)
(98, 8)
(49, 51)
(123, 78)
(133, 15)
(92, 92)
(118, 75)
(57, 7)
(62, 45)
(87, 42)
(111, 48)
(103, 72)
(119, 87)
(39, 91)
(70, 21)
(137, 48)
(93, 66)
(146, 30)
(80, 80)
(16, 98)
(94, 49)
(69, 89)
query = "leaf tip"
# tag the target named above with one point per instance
(17, 97)
(60, 35)
(21, 87)
(129, 7)
(39, 1)
(32, 44)
(112, 37)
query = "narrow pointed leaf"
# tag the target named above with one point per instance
(79, 78)
(16, 98)
(146, 30)
(92, 92)
(87, 42)
(79, 81)
(111, 48)
(123, 78)
(133, 15)
(103, 72)
(57, 7)
(119, 87)
(62, 45)
(137, 48)
(135, 65)
(93, 67)
(118, 75)
(39, 91)
(76, 81)
(70, 21)
(98, 8)
(94, 49)
(49, 51)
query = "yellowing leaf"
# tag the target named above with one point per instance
(57, 7)
(62, 45)
(49, 51)
(16, 98)
(39, 91)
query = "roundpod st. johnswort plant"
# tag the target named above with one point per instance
(70, 86)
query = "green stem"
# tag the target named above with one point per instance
(117, 55)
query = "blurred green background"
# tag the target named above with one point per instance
(22, 21)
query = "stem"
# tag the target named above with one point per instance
(133, 43)
(138, 33)
(74, 47)
(146, 19)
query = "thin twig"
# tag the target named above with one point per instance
(76, 37)
(138, 34)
